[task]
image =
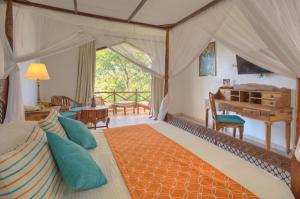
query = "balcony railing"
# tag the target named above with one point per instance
(116, 96)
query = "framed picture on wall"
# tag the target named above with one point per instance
(207, 61)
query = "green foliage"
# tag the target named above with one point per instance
(114, 72)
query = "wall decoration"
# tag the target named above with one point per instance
(226, 82)
(207, 61)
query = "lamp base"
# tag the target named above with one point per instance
(38, 101)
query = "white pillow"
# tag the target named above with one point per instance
(14, 133)
(163, 110)
(29, 170)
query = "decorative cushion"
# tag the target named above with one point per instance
(51, 123)
(230, 119)
(76, 166)
(71, 115)
(15, 133)
(29, 171)
(78, 132)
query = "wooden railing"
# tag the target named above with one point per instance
(115, 96)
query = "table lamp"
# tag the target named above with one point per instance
(37, 72)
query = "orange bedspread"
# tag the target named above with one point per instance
(153, 166)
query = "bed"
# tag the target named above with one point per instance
(256, 180)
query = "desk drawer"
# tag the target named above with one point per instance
(251, 112)
(271, 95)
(268, 102)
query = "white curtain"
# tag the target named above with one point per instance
(238, 35)
(266, 33)
(49, 32)
(86, 72)
(277, 24)
(57, 31)
(15, 108)
(188, 40)
(157, 94)
(149, 58)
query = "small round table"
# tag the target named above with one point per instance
(88, 114)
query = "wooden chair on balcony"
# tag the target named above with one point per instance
(225, 121)
(99, 100)
(65, 103)
(144, 105)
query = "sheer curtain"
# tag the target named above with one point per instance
(277, 24)
(157, 94)
(238, 35)
(189, 39)
(49, 32)
(86, 72)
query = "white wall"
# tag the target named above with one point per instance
(188, 92)
(28, 87)
(62, 69)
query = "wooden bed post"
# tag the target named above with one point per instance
(4, 83)
(295, 177)
(166, 89)
(9, 22)
(297, 129)
(295, 164)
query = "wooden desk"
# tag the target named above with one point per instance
(40, 114)
(265, 106)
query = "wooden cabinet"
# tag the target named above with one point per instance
(39, 114)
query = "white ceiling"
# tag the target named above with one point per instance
(157, 12)
(160, 12)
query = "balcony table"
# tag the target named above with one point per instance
(125, 105)
(88, 114)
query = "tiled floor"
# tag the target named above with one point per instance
(130, 119)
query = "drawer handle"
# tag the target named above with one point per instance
(271, 103)
(271, 96)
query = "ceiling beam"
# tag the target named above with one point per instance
(166, 26)
(29, 3)
(136, 10)
(75, 7)
(197, 12)
(9, 22)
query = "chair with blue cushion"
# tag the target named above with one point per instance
(65, 103)
(225, 121)
(69, 114)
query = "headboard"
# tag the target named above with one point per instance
(3, 98)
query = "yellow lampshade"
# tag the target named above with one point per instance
(37, 72)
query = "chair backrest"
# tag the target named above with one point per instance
(63, 101)
(2, 111)
(212, 105)
(99, 100)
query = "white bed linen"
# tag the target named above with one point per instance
(263, 184)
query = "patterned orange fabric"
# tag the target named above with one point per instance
(155, 167)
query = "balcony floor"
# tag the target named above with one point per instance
(129, 119)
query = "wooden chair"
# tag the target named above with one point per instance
(144, 105)
(64, 102)
(99, 100)
(225, 121)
